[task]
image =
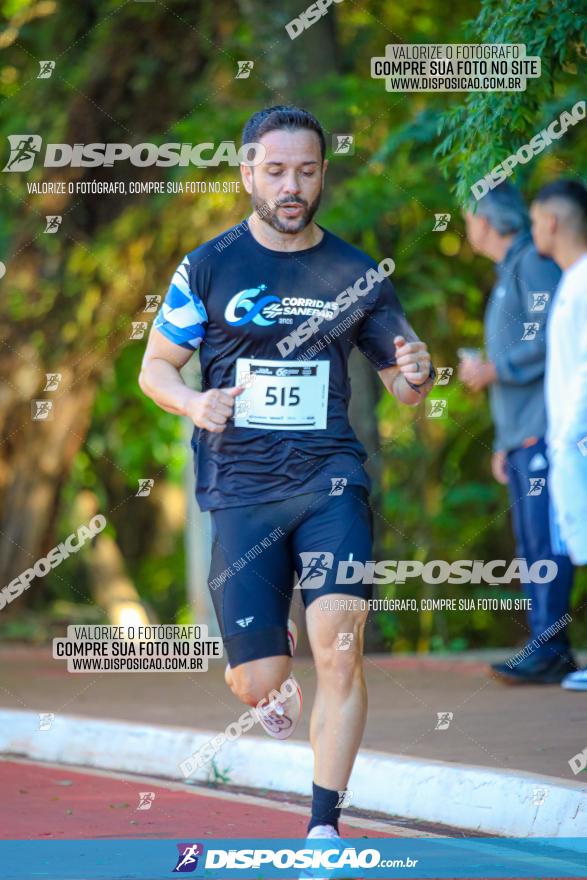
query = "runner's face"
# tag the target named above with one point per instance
(286, 187)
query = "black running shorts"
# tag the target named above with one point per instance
(257, 549)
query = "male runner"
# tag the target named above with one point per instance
(258, 303)
(559, 227)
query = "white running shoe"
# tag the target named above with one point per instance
(321, 832)
(280, 719)
(575, 681)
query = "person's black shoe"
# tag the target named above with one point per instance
(535, 669)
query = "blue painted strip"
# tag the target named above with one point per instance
(216, 858)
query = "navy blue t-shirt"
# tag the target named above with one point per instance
(232, 297)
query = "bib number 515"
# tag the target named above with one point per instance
(282, 396)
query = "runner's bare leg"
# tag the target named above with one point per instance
(340, 708)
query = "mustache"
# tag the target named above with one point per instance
(301, 202)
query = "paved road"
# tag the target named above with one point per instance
(42, 802)
(48, 802)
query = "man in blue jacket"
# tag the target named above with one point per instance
(515, 341)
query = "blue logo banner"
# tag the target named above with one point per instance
(267, 858)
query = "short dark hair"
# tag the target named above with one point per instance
(574, 193)
(572, 190)
(282, 117)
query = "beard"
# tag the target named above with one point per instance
(268, 212)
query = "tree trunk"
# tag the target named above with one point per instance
(112, 589)
(37, 456)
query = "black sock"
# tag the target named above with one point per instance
(325, 809)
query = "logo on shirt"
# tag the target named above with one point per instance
(242, 308)
(244, 301)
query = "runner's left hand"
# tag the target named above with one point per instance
(413, 360)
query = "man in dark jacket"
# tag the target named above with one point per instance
(515, 341)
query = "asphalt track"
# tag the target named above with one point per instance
(43, 802)
(50, 802)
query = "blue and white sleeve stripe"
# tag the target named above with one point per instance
(182, 317)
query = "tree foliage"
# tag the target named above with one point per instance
(488, 126)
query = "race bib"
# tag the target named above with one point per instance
(282, 395)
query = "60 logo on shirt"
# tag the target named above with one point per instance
(270, 309)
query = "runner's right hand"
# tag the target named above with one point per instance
(212, 409)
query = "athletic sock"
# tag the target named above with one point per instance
(325, 809)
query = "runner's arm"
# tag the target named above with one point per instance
(396, 384)
(397, 377)
(390, 343)
(160, 378)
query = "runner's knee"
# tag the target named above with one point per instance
(338, 653)
(251, 683)
(332, 632)
(340, 670)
